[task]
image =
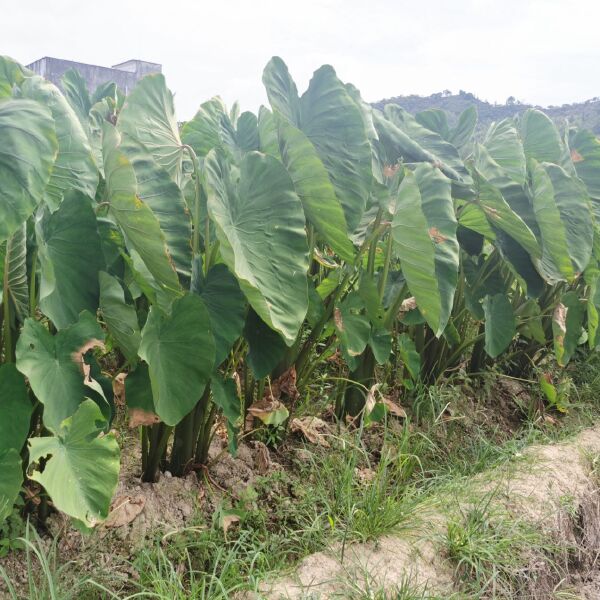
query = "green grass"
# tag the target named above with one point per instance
(489, 549)
(370, 483)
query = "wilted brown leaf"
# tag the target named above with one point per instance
(436, 235)
(575, 156)
(337, 317)
(77, 356)
(560, 317)
(313, 429)
(228, 520)
(284, 385)
(138, 417)
(394, 409)
(119, 389)
(407, 305)
(269, 411)
(262, 459)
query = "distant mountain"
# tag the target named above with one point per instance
(586, 114)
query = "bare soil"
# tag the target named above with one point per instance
(555, 487)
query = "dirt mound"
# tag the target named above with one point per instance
(555, 487)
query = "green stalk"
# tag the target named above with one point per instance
(144, 436)
(203, 445)
(457, 353)
(183, 445)
(197, 202)
(8, 341)
(32, 284)
(207, 253)
(158, 444)
(386, 266)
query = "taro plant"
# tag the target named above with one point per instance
(221, 264)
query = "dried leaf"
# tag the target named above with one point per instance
(228, 520)
(262, 459)
(407, 305)
(436, 235)
(270, 412)
(284, 385)
(138, 416)
(560, 317)
(313, 429)
(124, 510)
(337, 317)
(393, 408)
(371, 398)
(77, 356)
(119, 389)
(575, 156)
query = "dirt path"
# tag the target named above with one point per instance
(554, 486)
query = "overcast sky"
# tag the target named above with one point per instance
(541, 51)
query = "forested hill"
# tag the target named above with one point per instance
(586, 114)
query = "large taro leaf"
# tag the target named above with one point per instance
(281, 90)
(592, 276)
(435, 120)
(314, 188)
(148, 116)
(11, 74)
(135, 218)
(407, 353)
(513, 192)
(70, 255)
(55, 367)
(74, 167)
(266, 348)
(267, 132)
(585, 154)
(13, 272)
(566, 327)
(157, 190)
(520, 261)
(210, 128)
(500, 326)
(505, 149)
(500, 215)
(246, 132)
(225, 303)
(75, 91)
(260, 226)
(462, 133)
(179, 349)
(424, 231)
(444, 154)
(120, 317)
(15, 409)
(352, 325)
(82, 467)
(332, 121)
(11, 478)
(138, 395)
(28, 148)
(563, 215)
(541, 139)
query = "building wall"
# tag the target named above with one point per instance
(125, 75)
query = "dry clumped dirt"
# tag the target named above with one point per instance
(142, 511)
(555, 487)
